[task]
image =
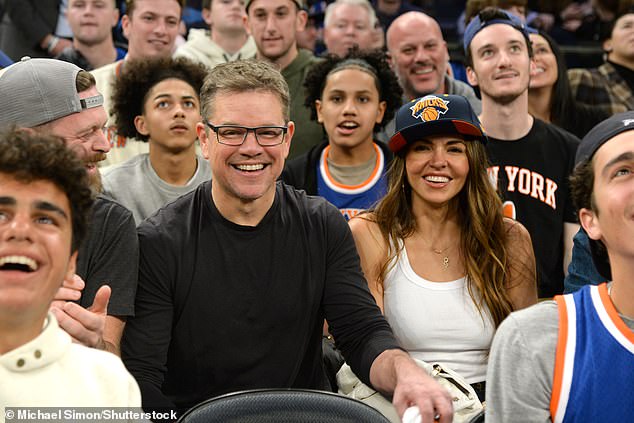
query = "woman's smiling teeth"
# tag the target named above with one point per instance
(249, 167)
(434, 178)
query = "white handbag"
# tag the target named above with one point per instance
(466, 404)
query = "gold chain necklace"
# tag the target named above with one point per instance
(445, 259)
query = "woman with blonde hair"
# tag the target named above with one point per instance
(442, 262)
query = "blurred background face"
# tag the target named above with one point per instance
(418, 55)
(92, 20)
(273, 25)
(348, 25)
(152, 28)
(226, 15)
(308, 37)
(621, 44)
(544, 73)
(349, 107)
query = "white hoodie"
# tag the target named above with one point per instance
(200, 48)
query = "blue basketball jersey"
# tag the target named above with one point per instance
(594, 364)
(352, 199)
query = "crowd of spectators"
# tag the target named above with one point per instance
(46, 28)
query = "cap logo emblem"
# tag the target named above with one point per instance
(626, 122)
(429, 108)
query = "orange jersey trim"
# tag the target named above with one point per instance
(613, 314)
(377, 165)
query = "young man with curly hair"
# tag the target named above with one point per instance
(351, 97)
(156, 101)
(45, 203)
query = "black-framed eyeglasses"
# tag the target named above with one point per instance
(235, 135)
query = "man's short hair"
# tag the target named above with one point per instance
(490, 16)
(38, 91)
(31, 156)
(137, 79)
(130, 4)
(243, 76)
(363, 3)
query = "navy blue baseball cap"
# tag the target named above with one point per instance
(440, 114)
(477, 24)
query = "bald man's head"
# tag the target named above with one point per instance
(418, 54)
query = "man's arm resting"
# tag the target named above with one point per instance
(394, 372)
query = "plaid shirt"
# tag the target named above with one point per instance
(602, 87)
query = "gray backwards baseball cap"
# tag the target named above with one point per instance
(37, 91)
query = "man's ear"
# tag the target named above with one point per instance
(390, 59)
(72, 266)
(201, 130)
(471, 76)
(288, 138)
(590, 223)
(206, 14)
(140, 125)
(125, 26)
(607, 45)
(300, 22)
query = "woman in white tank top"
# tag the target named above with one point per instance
(442, 262)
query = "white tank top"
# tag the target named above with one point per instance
(437, 321)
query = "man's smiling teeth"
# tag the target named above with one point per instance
(423, 71)
(26, 261)
(433, 178)
(349, 125)
(250, 167)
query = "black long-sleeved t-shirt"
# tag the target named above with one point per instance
(222, 307)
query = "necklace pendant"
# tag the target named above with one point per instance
(445, 262)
